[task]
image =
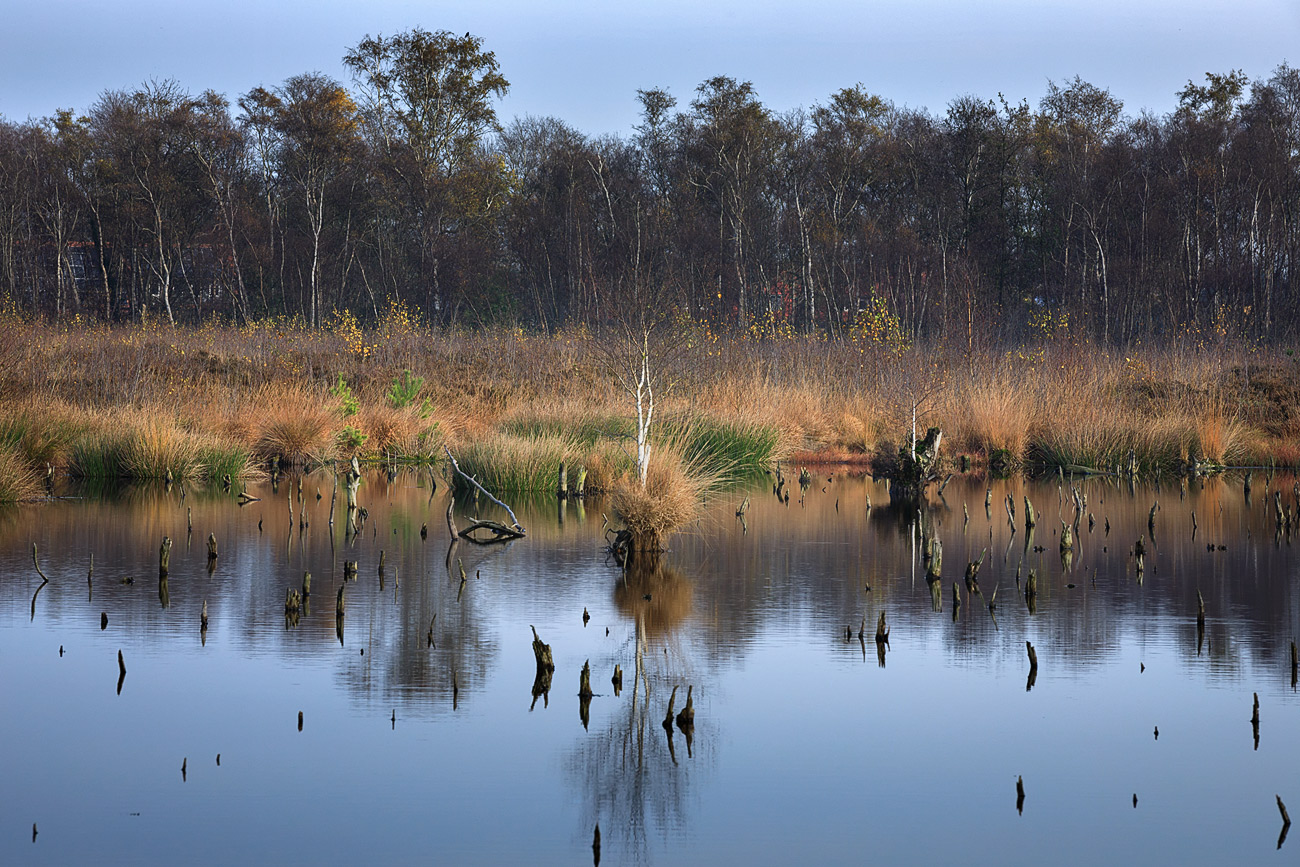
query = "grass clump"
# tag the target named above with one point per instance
(145, 446)
(18, 481)
(505, 462)
(733, 447)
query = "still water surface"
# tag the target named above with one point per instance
(805, 747)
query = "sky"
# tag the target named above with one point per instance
(583, 60)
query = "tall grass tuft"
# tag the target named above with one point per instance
(18, 481)
(295, 425)
(673, 493)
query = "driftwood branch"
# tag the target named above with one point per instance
(518, 529)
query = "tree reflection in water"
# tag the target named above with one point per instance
(632, 777)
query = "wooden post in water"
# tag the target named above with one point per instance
(580, 484)
(212, 546)
(1067, 537)
(1031, 520)
(1200, 609)
(562, 488)
(164, 556)
(340, 603)
(617, 679)
(306, 584)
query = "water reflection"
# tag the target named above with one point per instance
(737, 615)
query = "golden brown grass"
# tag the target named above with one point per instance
(264, 389)
(18, 480)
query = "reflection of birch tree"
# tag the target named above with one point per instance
(633, 775)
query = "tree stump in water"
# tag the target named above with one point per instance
(917, 468)
(584, 681)
(542, 653)
(882, 630)
(1067, 537)
(668, 717)
(1031, 519)
(212, 546)
(935, 566)
(164, 556)
(686, 719)
(353, 479)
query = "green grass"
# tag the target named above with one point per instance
(728, 447)
(1101, 451)
(40, 440)
(150, 452)
(509, 463)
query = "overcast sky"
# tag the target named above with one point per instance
(583, 60)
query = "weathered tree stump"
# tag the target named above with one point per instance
(562, 487)
(580, 483)
(935, 566)
(584, 681)
(882, 629)
(542, 653)
(617, 679)
(203, 616)
(164, 556)
(1031, 519)
(353, 482)
(1067, 537)
(306, 584)
(668, 717)
(1200, 609)
(917, 468)
(212, 546)
(340, 604)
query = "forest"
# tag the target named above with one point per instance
(975, 227)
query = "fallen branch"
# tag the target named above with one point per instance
(519, 530)
(500, 532)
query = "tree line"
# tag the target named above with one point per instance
(977, 225)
